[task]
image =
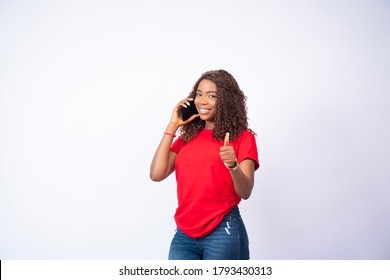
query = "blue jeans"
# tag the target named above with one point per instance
(228, 241)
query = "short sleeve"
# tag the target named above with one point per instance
(247, 149)
(177, 145)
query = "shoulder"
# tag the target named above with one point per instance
(177, 145)
(246, 141)
(246, 135)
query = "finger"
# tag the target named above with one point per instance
(189, 99)
(193, 117)
(185, 102)
(226, 142)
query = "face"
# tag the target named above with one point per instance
(206, 101)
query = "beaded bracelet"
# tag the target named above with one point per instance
(170, 134)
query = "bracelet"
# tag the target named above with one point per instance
(234, 167)
(170, 134)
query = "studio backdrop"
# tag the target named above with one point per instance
(88, 87)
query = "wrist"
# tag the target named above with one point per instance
(232, 167)
(171, 128)
(170, 134)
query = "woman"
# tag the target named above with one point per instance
(214, 159)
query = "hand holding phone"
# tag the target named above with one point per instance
(186, 113)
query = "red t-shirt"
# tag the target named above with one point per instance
(205, 189)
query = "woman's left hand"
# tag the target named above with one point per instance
(227, 153)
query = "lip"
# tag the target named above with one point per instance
(204, 111)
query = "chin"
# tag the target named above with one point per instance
(205, 118)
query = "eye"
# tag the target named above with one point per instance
(212, 96)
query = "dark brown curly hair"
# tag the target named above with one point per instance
(231, 110)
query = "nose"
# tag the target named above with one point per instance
(203, 100)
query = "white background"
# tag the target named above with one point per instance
(87, 88)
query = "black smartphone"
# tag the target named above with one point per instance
(186, 113)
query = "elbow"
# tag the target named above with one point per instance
(155, 177)
(245, 193)
(245, 196)
(158, 174)
(155, 174)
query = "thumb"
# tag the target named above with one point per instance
(193, 117)
(226, 142)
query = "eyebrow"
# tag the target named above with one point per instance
(210, 91)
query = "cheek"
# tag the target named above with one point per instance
(196, 102)
(213, 104)
(214, 109)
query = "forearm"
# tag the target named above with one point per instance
(243, 179)
(163, 162)
(161, 166)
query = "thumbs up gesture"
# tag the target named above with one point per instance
(227, 153)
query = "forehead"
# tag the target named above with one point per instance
(207, 85)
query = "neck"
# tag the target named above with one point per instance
(209, 125)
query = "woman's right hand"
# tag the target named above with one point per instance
(176, 118)
(163, 162)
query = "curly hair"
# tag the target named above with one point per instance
(231, 109)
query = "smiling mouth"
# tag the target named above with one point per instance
(204, 111)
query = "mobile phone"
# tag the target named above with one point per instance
(186, 113)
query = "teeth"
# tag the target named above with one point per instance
(204, 110)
